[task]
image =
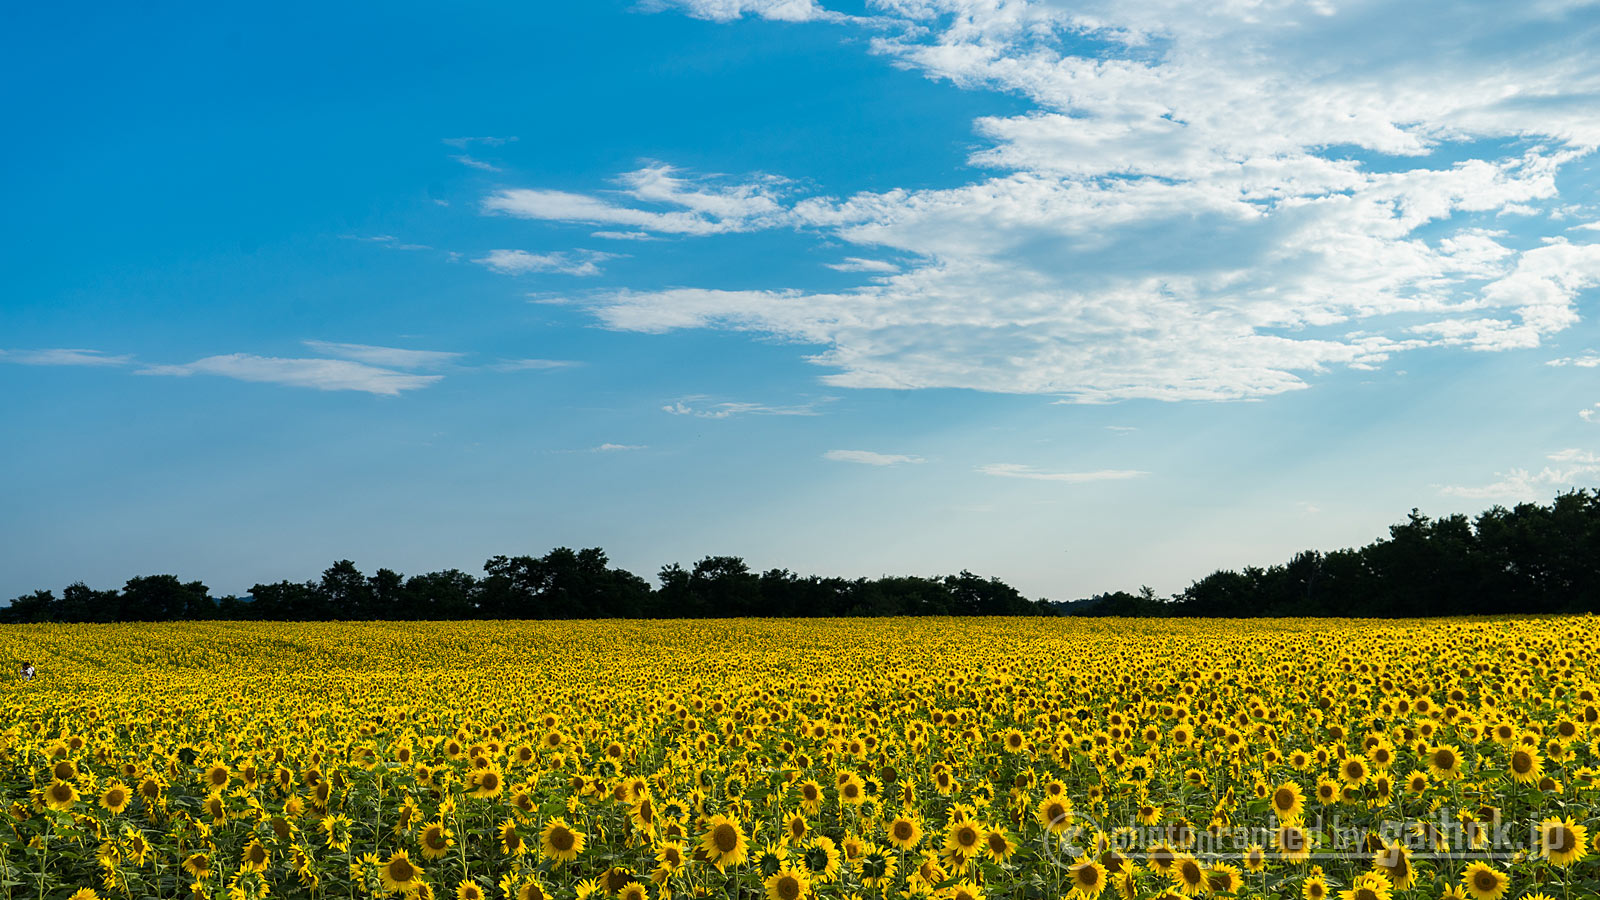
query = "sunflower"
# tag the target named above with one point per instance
(485, 783)
(795, 830)
(531, 890)
(60, 794)
(1055, 814)
(616, 879)
(770, 858)
(1088, 878)
(198, 865)
(1393, 862)
(1255, 858)
(821, 857)
(469, 890)
(337, 828)
(963, 840)
(436, 840)
(1291, 842)
(399, 874)
(964, 890)
(1223, 879)
(811, 796)
(1161, 859)
(877, 867)
(723, 842)
(1482, 882)
(114, 799)
(1381, 754)
(511, 842)
(997, 845)
(1287, 801)
(1525, 766)
(1368, 887)
(1354, 770)
(559, 842)
(1314, 888)
(928, 871)
(670, 856)
(786, 884)
(853, 790)
(216, 777)
(904, 832)
(1444, 762)
(1563, 841)
(642, 812)
(1188, 876)
(255, 857)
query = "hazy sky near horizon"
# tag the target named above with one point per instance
(1080, 295)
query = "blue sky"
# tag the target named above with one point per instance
(1084, 296)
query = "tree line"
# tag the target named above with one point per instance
(562, 584)
(1531, 558)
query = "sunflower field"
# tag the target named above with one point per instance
(889, 759)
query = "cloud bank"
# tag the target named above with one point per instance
(1203, 201)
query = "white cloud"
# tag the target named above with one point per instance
(868, 457)
(392, 357)
(1204, 201)
(700, 206)
(728, 410)
(624, 235)
(533, 365)
(1015, 470)
(1590, 415)
(387, 240)
(615, 448)
(728, 10)
(322, 374)
(1570, 468)
(1588, 360)
(475, 163)
(62, 356)
(521, 262)
(1586, 226)
(857, 264)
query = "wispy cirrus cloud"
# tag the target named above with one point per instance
(617, 448)
(698, 206)
(729, 409)
(475, 163)
(1016, 470)
(871, 458)
(321, 374)
(533, 365)
(858, 264)
(625, 235)
(392, 357)
(63, 356)
(386, 240)
(1564, 469)
(521, 262)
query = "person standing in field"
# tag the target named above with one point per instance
(28, 671)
